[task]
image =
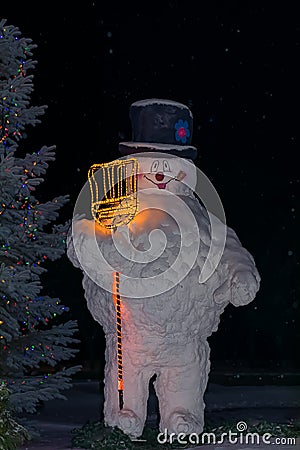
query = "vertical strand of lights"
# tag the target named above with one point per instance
(117, 302)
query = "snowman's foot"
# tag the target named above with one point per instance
(181, 421)
(130, 423)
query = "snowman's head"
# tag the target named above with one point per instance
(166, 172)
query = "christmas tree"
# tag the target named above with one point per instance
(36, 342)
(12, 434)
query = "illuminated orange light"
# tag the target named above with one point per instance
(113, 189)
(117, 302)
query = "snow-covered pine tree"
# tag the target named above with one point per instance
(12, 434)
(36, 342)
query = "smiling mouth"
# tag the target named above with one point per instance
(159, 185)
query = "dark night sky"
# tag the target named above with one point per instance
(236, 64)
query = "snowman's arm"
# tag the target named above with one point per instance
(235, 256)
(100, 304)
(242, 277)
(83, 249)
(99, 301)
(71, 253)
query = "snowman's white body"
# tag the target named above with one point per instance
(165, 334)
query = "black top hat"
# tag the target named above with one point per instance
(160, 125)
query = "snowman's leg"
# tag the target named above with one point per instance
(180, 391)
(111, 396)
(131, 418)
(136, 392)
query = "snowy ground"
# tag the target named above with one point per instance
(251, 404)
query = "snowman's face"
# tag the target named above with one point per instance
(166, 172)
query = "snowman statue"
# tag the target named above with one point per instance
(158, 271)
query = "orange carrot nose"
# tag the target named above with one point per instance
(159, 176)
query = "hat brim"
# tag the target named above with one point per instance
(183, 151)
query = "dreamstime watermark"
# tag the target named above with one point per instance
(239, 436)
(182, 209)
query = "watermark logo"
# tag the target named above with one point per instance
(238, 436)
(241, 426)
(165, 195)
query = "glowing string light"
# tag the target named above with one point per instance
(118, 182)
(117, 302)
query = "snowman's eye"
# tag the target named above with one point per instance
(166, 167)
(154, 166)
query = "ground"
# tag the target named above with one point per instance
(57, 418)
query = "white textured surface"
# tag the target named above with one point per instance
(164, 334)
